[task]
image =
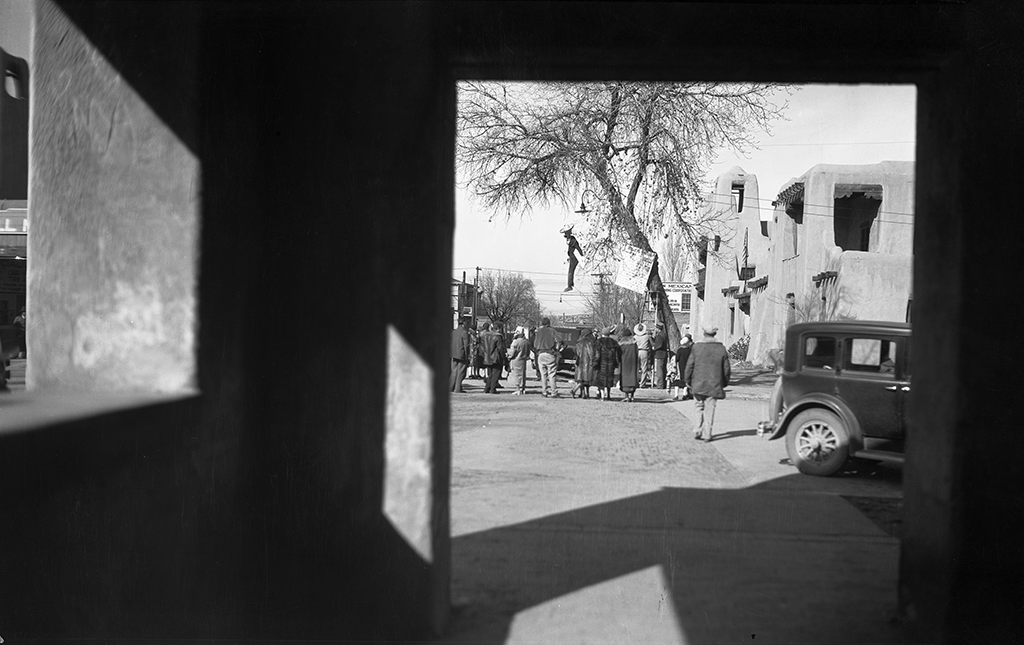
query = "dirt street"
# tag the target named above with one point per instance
(583, 521)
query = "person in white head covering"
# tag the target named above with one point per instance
(574, 246)
(518, 355)
(645, 352)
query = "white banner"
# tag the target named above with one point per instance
(634, 268)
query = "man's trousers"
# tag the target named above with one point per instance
(705, 415)
(457, 376)
(659, 372)
(548, 364)
(644, 356)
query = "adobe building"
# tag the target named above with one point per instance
(730, 258)
(841, 247)
(167, 475)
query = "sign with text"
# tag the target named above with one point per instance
(634, 268)
(678, 294)
(12, 276)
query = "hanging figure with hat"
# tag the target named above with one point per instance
(574, 247)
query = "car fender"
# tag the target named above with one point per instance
(827, 402)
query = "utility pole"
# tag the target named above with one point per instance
(601, 294)
(476, 295)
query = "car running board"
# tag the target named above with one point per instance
(880, 455)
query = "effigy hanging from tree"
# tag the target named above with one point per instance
(573, 248)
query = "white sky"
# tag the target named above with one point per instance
(836, 124)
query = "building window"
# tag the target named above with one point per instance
(855, 209)
(737, 195)
(795, 218)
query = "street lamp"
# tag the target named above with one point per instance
(583, 210)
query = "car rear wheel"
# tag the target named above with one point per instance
(817, 442)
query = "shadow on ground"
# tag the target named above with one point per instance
(760, 564)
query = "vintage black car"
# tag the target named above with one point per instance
(567, 359)
(842, 393)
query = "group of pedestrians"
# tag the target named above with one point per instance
(618, 356)
(488, 350)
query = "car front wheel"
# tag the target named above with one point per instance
(817, 442)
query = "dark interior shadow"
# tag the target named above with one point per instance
(736, 565)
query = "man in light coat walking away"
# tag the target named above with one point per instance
(707, 373)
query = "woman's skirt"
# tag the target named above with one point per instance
(518, 373)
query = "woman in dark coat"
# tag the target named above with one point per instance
(584, 365)
(682, 355)
(629, 379)
(606, 359)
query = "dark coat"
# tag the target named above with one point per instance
(682, 355)
(462, 345)
(585, 359)
(660, 344)
(708, 369)
(606, 359)
(492, 348)
(629, 378)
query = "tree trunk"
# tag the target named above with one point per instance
(637, 238)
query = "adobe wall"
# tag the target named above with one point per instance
(870, 286)
(720, 269)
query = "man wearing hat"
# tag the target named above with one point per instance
(461, 354)
(707, 373)
(574, 246)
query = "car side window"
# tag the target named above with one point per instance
(871, 355)
(820, 351)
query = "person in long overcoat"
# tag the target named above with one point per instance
(461, 355)
(683, 355)
(606, 359)
(584, 364)
(707, 373)
(492, 354)
(629, 378)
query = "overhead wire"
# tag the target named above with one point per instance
(771, 207)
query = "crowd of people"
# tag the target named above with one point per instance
(616, 356)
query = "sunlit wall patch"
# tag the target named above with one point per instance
(407, 477)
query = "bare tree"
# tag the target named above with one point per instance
(641, 150)
(508, 298)
(610, 302)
